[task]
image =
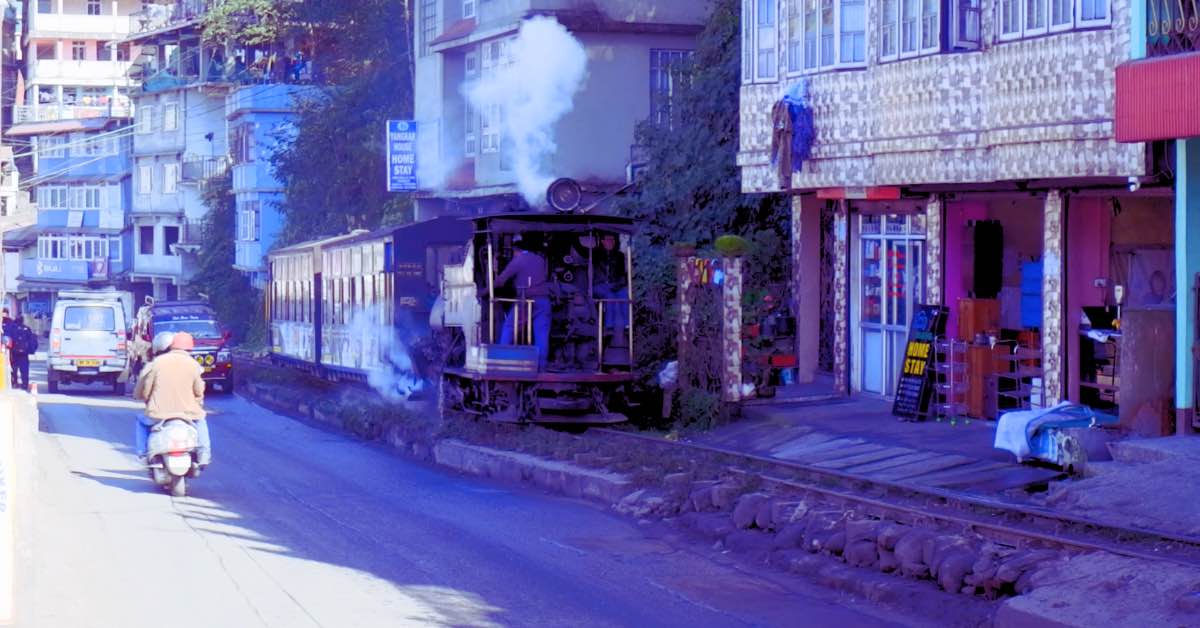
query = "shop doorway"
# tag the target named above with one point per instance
(890, 285)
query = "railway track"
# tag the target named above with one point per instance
(1003, 521)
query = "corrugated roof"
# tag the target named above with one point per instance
(58, 126)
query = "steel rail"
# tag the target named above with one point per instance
(1041, 525)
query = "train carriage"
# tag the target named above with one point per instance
(423, 301)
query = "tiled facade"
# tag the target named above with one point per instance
(1034, 108)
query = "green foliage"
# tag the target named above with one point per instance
(237, 303)
(248, 22)
(334, 168)
(691, 190)
(732, 245)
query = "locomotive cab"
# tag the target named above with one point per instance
(588, 348)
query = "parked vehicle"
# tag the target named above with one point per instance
(172, 455)
(196, 318)
(88, 339)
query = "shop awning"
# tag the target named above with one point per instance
(1158, 98)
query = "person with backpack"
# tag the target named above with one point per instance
(22, 343)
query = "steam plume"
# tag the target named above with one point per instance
(534, 91)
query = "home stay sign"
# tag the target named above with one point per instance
(402, 155)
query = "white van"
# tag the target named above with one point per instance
(88, 339)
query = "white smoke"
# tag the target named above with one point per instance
(534, 90)
(383, 355)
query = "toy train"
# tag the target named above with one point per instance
(419, 306)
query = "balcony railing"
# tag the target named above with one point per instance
(198, 169)
(160, 16)
(192, 232)
(1173, 27)
(51, 112)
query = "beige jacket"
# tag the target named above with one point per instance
(172, 386)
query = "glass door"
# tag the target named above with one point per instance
(891, 285)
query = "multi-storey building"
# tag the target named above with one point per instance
(179, 142)
(76, 59)
(82, 189)
(960, 154)
(630, 50)
(257, 115)
(203, 107)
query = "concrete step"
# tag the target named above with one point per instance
(1166, 449)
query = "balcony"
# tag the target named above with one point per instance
(161, 17)
(50, 112)
(197, 169)
(1158, 98)
(77, 25)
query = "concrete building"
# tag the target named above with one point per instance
(180, 143)
(82, 190)
(630, 48)
(257, 116)
(966, 155)
(75, 59)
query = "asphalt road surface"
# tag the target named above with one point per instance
(296, 526)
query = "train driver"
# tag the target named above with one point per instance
(528, 272)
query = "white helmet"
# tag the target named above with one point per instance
(162, 341)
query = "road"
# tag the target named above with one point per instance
(296, 526)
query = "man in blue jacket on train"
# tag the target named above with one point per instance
(528, 272)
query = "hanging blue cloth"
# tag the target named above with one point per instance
(801, 114)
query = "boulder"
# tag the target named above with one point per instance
(861, 553)
(953, 567)
(746, 511)
(725, 495)
(910, 553)
(889, 533)
(791, 536)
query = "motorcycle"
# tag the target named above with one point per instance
(173, 457)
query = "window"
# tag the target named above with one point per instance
(429, 24)
(826, 34)
(123, 52)
(104, 50)
(495, 58)
(910, 28)
(52, 146)
(665, 75)
(53, 197)
(170, 239)
(78, 50)
(93, 7)
(146, 240)
(1028, 18)
(114, 247)
(170, 178)
(170, 117)
(470, 115)
(84, 145)
(45, 6)
(46, 50)
(468, 9)
(241, 143)
(765, 33)
(89, 318)
(145, 178)
(145, 119)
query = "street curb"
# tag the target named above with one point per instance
(559, 477)
(19, 417)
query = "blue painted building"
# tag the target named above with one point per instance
(81, 184)
(258, 118)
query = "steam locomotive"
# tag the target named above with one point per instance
(418, 307)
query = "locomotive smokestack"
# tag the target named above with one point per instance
(564, 195)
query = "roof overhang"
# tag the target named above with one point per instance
(1158, 98)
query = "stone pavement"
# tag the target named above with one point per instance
(860, 436)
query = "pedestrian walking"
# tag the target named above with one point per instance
(22, 343)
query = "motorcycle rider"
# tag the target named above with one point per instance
(172, 385)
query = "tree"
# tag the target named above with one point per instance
(333, 167)
(248, 22)
(237, 303)
(690, 191)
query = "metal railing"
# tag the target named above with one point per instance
(199, 169)
(1172, 27)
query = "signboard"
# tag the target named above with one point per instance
(915, 387)
(402, 155)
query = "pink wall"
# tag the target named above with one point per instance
(958, 213)
(1089, 238)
